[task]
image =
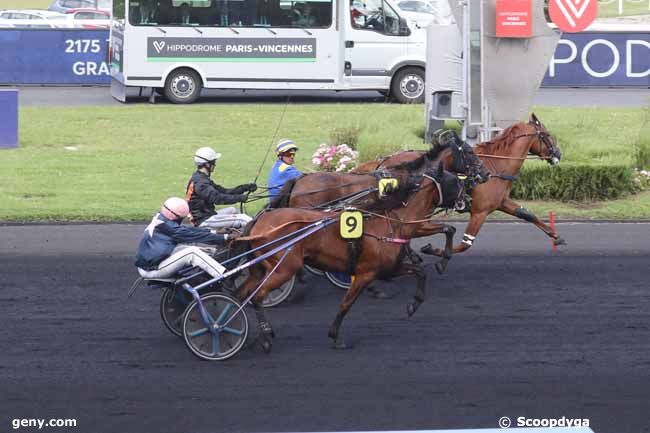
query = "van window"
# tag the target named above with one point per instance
(232, 13)
(375, 15)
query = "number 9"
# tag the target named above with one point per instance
(351, 222)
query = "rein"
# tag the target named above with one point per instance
(518, 158)
(268, 149)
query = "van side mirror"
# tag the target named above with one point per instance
(404, 29)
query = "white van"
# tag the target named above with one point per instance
(181, 46)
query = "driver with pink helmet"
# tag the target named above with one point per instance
(163, 250)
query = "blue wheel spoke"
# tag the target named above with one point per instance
(207, 313)
(198, 332)
(232, 331)
(215, 345)
(224, 313)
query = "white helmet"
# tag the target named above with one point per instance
(205, 155)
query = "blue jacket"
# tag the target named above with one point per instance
(281, 173)
(161, 237)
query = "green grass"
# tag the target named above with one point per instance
(25, 4)
(127, 159)
(629, 8)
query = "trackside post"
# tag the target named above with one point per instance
(8, 118)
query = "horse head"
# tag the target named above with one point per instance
(546, 146)
(464, 159)
(450, 186)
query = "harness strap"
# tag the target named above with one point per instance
(507, 177)
(394, 240)
(437, 184)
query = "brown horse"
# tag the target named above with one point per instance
(379, 251)
(320, 189)
(504, 157)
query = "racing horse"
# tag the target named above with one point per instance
(322, 189)
(504, 156)
(379, 251)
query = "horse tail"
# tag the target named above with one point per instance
(284, 196)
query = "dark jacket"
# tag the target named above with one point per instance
(161, 237)
(203, 195)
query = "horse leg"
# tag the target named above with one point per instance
(359, 281)
(266, 330)
(472, 229)
(421, 279)
(279, 277)
(513, 208)
(449, 231)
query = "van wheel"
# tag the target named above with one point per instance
(183, 86)
(408, 86)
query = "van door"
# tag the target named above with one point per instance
(373, 43)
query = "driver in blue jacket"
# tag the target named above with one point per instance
(283, 169)
(163, 251)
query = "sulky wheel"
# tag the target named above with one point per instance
(339, 279)
(277, 296)
(172, 306)
(314, 271)
(225, 333)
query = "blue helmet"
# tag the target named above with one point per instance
(284, 146)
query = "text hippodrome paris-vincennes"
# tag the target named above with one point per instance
(241, 48)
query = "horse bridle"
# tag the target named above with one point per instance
(543, 137)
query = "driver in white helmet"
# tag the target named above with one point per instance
(203, 195)
(163, 251)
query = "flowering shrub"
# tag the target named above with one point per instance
(339, 158)
(642, 179)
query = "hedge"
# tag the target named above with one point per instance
(574, 182)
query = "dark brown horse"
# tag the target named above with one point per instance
(318, 189)
(504, 157)
(380, 250)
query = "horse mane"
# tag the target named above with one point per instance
(501, 142)
(419, 162)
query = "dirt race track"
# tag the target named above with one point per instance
(512, 330)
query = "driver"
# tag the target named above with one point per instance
(203, 195)
(162, 253)
(283, 170)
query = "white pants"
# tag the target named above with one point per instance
(226, 218)
(182, 257)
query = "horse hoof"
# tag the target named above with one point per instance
(427, 249)
(266, 346)
(339, 344)
(410, 310)
(559, 241)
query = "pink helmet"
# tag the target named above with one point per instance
(175, 208)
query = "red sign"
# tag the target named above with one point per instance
(573, 16)
(514, 18)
